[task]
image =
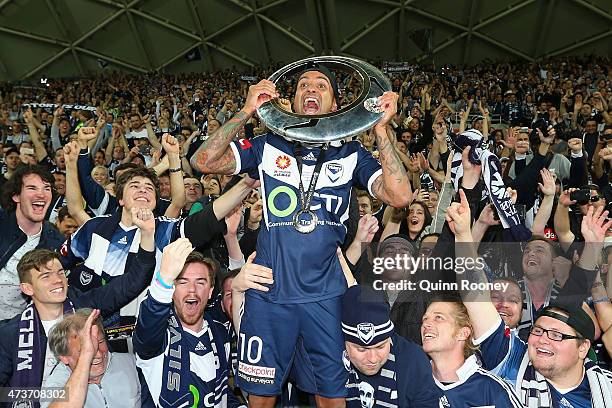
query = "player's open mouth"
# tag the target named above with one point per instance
(311, 105)
(531, 262)
(142, 199)
(414, 221)
(504, 314)
(57, 290)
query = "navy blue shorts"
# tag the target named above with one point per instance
(303, 340)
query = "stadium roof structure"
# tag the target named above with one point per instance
(62, 38)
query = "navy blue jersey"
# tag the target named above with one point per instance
(305, 266)
(477, 387)
(176, 366)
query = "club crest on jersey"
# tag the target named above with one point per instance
(85, 278)
(365, 331)
(334, 171)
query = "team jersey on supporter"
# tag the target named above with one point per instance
(477, 387)
(176, 366)
(305, 266)
(502, 352)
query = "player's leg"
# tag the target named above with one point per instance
(256, 401)
(323, 402)
(321, 347)
(266, 345)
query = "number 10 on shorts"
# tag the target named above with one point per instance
(253, 347)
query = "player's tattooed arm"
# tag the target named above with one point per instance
(393, 186)
(215, 155)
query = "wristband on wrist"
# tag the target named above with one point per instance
(175, 170)
(159, 280)
(601, 300)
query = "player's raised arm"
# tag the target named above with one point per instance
(393, 186)
(215, 154)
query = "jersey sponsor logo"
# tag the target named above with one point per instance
(565, 403)
(365, 331)
(200, 346)
(282, 162)
(334, 171)
(332, 202)
(244, 144)
(85, 278)
(123, 240)
(256, 374)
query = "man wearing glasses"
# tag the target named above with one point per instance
(551, 369)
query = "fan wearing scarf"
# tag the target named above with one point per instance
(446, 334)
(182, 354)
(552, 368)
(385, 370)
(25, 359)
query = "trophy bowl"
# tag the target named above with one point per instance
(348, 121)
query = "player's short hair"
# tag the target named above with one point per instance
(34, 259)
(462, 319)
(230, 275)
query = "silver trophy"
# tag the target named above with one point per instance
(348, 121)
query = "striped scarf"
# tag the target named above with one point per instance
(527, 317)
(491, 174)
(533, 390)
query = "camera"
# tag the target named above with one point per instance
(582, 196)
(144, 149)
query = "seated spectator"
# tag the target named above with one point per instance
(88, 372)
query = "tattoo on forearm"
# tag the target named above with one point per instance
(394, 173)
(215, 148)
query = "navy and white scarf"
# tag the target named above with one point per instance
(196, 382)
(30, 356)
(527, 316)
(533, 391)
(368, 391)
(491, 173)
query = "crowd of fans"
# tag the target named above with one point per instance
(65, 145)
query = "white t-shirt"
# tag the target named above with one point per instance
(12, 302)
(50, 360)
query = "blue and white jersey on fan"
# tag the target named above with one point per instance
(305, 266)
(477, 387)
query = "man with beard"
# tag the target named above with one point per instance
(551, 369)
(287, 320)
(182, 354)
(26, 196)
